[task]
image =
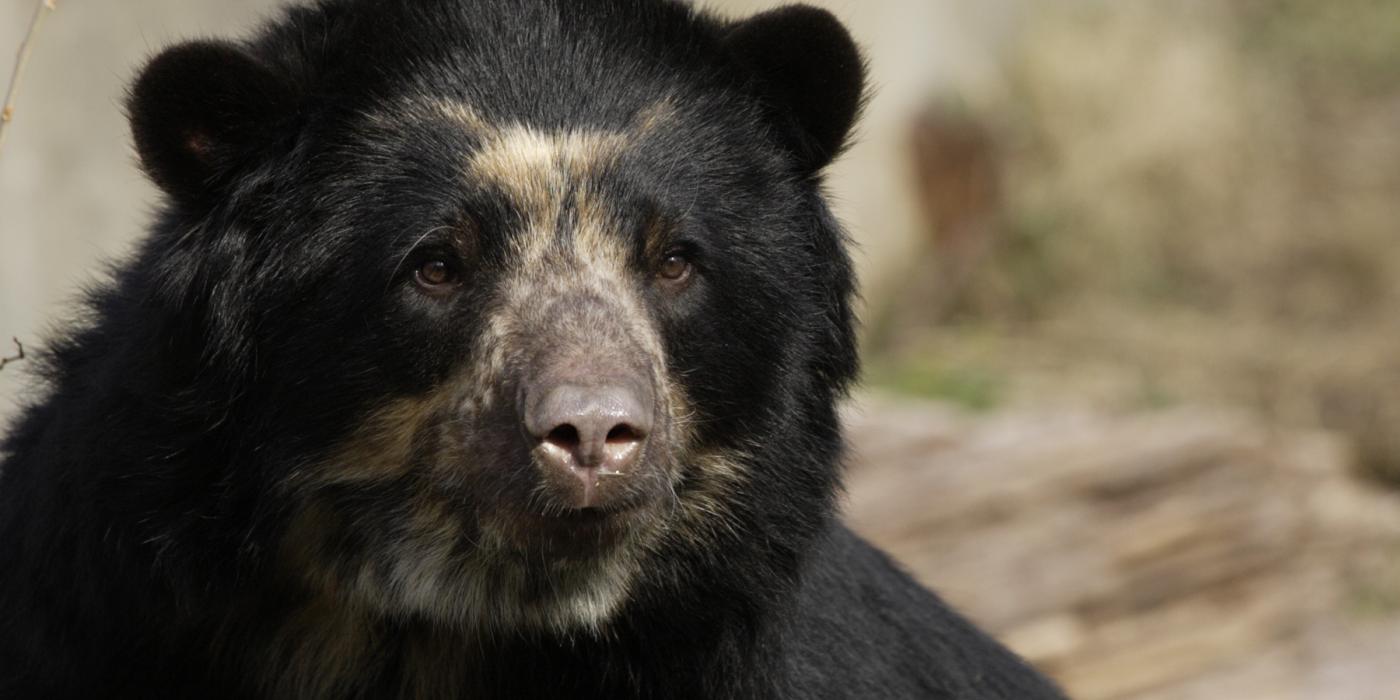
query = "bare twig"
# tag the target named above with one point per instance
(41, 10)
(16, 357)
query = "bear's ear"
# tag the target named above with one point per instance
(201, 110)
(810, 72)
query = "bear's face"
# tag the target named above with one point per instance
(502, 357)
(538, 303)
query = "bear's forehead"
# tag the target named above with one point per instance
(554, 180)
(532, 165)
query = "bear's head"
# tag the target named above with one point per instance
(511, 313)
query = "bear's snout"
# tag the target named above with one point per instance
(589, 403)
(587, 434)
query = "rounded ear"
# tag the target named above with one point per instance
(201, 110)
(809, 72)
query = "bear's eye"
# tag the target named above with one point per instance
(436, 276)
(675, 267)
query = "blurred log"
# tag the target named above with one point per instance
(1129, 556)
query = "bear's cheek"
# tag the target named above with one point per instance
(728, 356)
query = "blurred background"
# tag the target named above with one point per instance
(1132, 338)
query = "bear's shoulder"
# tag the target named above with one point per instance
(862, 627)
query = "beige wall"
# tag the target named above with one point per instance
(71, 196)
(70, 193)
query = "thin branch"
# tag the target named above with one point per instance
(17, 357)
(40, 11)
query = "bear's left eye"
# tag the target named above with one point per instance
(437, 276)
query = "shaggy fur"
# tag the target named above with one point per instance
(270, 462)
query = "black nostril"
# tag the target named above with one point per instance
(623, 433)
(565, 436)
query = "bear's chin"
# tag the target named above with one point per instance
(560, 575)
(576, 535)
(559, 595)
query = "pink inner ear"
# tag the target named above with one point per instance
(198, 144)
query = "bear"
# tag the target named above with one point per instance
(477, 349)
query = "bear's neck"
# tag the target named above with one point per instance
(319, 650)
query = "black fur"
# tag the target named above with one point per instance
(810, 74)
(141, 499)
(202, 109)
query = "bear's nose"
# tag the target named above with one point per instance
(588, 435)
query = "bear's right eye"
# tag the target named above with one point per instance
(437, 277)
